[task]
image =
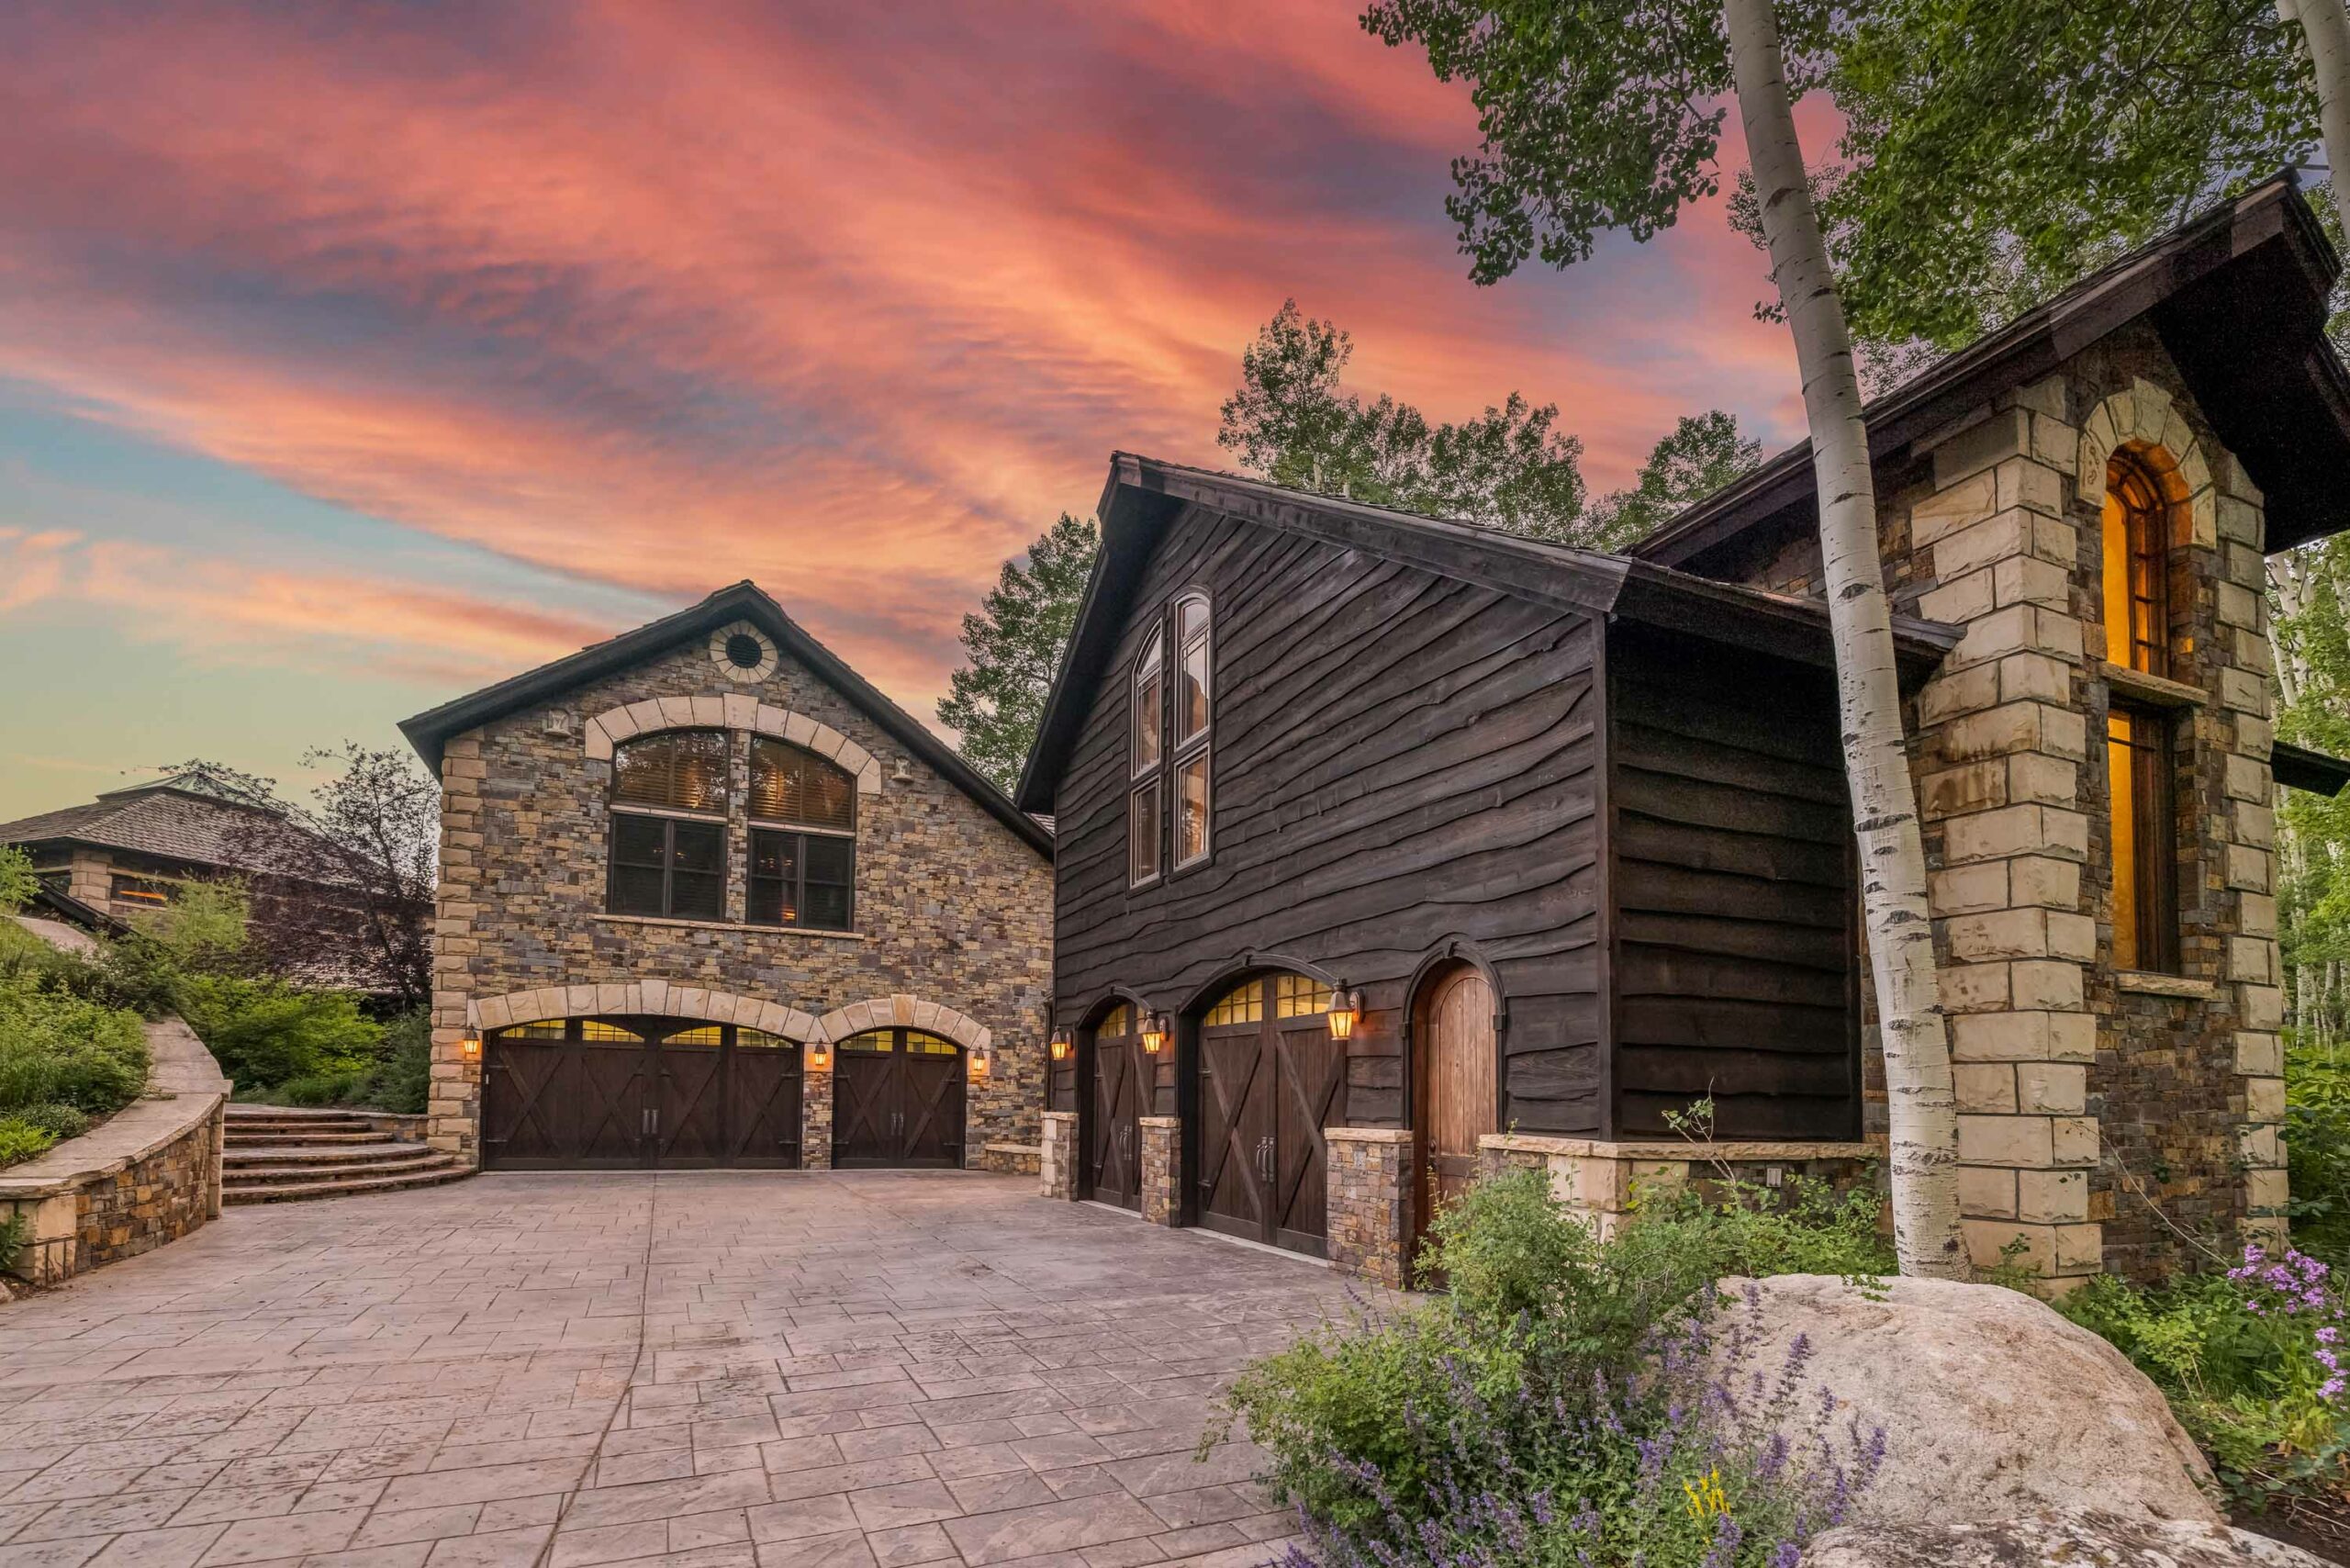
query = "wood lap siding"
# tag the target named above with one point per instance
(1399, 758)
(1734, 896)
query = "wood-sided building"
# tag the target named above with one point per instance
(1388, 845)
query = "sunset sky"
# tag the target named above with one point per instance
(354, 356)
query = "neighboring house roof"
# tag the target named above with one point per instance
(2238, 296)
(430, 732)
(1144, 495)
(74, 911)
(178, 818)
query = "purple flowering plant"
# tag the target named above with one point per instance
(2295, 1296)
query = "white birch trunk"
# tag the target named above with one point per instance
(1923, 1106)
(2325, 33)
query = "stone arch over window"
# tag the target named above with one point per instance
(654, 998)
(902, 1012)
(733, 711)
(2143, 421)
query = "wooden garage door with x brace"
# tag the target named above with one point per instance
(1118, 1092)
(631, 1093)
(897, 1100)
(1269, 1076)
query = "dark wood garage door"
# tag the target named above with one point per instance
(897, 1100)
(1117, 1097)
(1270, 1075)
(632, 1093)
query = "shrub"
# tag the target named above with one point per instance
(1550, 1407)
(20, 1140)
(16, 1234)
(2317, 1149)
(59, 1049)
(403, 1077)
(60, 1121)
(265, 1032)
(17, 883)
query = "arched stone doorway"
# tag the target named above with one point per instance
(897, 1100)
(631, 1092)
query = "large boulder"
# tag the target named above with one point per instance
(1993, 1407)
(2077, 1539)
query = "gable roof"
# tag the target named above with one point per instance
(175, 819)
(430, 732)
(1144, 495)
(2238, 296)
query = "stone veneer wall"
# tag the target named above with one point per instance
(952, 907)
(1602, 1182)
(1369, 1192)
(2087, 1095)
(1057, 1165)
(1162, 1169)
(147, 1175)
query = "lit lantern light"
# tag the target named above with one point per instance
(1346, 1007)
(469, 1046)
(1060, 1044)
(820, 1057)
(1154, 1033)
(980, 1063)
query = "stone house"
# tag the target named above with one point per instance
(708, 898)
(1391, 849)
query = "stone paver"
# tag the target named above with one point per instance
(715, 1370)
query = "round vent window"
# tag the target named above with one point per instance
(743, 651)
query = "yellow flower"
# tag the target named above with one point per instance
(1706, 1496)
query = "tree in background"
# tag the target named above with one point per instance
(1292, 421)
(1605, 117)
(1995, 154)
(17, 883)
(1014, 643)
(1704, 452)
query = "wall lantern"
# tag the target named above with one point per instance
(1154, 1033)
(980, 1063)
(1346, 1007)
(820, 1057)
(1060, 1044)
(469, 1044)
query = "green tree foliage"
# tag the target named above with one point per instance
(265, 1032)
(1704, 452)
(1293, 422)
(1014, 643)
(1997, 154)
(17, 883)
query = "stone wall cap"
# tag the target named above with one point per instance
(2149, 985)
(1367, 1134)
(1034, 1148)
(1060, 1115)
(1693, 1153)
(1158, 1121)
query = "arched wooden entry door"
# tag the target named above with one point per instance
(1269, 1077)
(1117, 1094)
(897, 1100)
(1456, 1092)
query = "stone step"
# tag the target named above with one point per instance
(249, 1156)
(281, 1175)
(335, 1185)
(245, 1111)
(302, 1137)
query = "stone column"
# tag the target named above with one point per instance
(2252, 965)
(2003, 736)
(1162, 1169)
(89, 877)
(816, 1108)
(1057, 1167)
(454, 1108)
(1371, 1200)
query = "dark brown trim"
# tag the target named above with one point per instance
(2297, 767)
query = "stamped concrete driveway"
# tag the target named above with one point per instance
(717, 1369)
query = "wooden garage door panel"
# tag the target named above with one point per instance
(616, 1095)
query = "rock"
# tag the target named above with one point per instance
(2073, 1539)
(1994, 1407)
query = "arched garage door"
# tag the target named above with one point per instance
(897, 1100)
(635, 1093)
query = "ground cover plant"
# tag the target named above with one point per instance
(1552, 1403)
(66, 1061)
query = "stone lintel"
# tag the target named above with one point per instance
(1364, 1135)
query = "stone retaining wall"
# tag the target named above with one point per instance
(1602, 1180)
(149, 1174)
(1012, 1159)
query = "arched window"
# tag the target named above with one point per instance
(1146, 730)
(1192, 693)
(2137, 568)
(1169, 750)
(803, 839)
(668, 833)
(2140, 767)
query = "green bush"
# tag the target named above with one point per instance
(20, 1140)
(265, 1032)
(17, 883)
(59, 1049)
(403, 1077)
(2317, 1149)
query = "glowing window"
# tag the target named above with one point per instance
(708, 1035)
(2137, 568)
(788, 785)
(545, 1029)
(1121, 1020)
(613, 1033)
(1294, 996)
(2145, 896)
(678, 770)
(1243, 1003)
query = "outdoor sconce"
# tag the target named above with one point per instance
(1060, 1044)
(469, 1046)
(1154, 1033)
(819, 1057)
(980, 1063)
(1346, 1007)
